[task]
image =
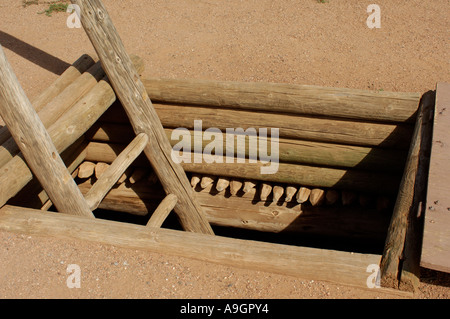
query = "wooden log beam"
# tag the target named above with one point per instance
(131, 92)
(303, 262)
(414, 237)
(290, 150)
(64, 80)
(50, 113)
(70, 126)
(287, 173)
(287, 98)
(391, 262)
(109, 178)
(32, 195)
(36, 145)
(162, 211)
(338, 131)
(248, 212)
(54, 109)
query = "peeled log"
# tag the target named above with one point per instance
(287, 98)
(338, 131)
(287, 173)
(64, 80)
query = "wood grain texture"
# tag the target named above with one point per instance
(303, 262)
(82, 64)
(290, 150)
(436, 238)
(131, 92)
(69, 127)
(162, 211)
(246, 211)
(114, 171)
(298, 174)
(36, 145)
(391, 262)
(339, 131)
(287, 98)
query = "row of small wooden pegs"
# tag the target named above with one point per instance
(292, 193)
(132, 175)
(265, 190)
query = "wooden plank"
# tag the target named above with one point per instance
(36, 144)
(131, 92)
(33, 195)
(287, 98)
(309, 263)
(109, 178)
(436, 238)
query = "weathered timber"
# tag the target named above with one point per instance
(338, 131)
(436, 234)
(390, 266)
(113, 172)
(206, 181)
(222, 183)
(248, 186)
(131, 92)
(36, 145)
(303, 194)
(162, 211)
(317, 197)
(235, 186)
(195, 179)
(287, 173)
(277, 192)
(303, 262)
(248, 212)
(70, 126)
(100, 168)
(32, 195)
(290, 192)
(49, 113)
(290, 150)
(86, 169)
(64, 80)
(287, 98)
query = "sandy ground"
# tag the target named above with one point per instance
(302, 42)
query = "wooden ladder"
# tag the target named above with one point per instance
(37, 147)
(45, 162)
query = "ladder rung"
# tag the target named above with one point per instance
(109, 178)
(162, 211)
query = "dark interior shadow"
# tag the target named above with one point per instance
(33, 54)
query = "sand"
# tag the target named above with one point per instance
(300, 42)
